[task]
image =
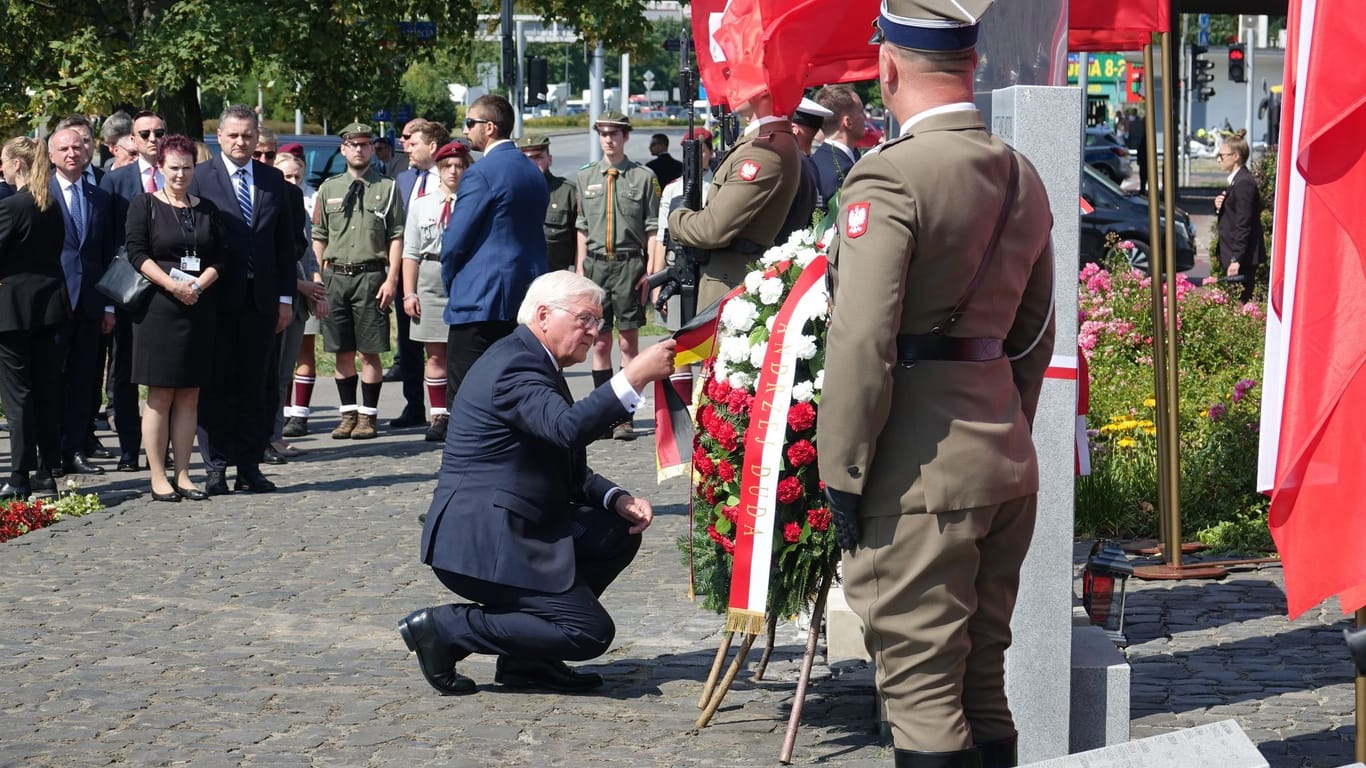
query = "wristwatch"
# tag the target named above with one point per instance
(195, 287)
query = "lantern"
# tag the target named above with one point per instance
(1103, 583)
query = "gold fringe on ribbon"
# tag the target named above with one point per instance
(745, 622)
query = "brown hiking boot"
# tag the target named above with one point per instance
(346, 427)
(365, 427)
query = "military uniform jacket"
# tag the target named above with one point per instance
(637, 206)
(357, 229)
(913, 226)
(560, 217)
(750, 195)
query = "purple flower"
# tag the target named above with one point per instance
(1217, 411)
(1240, 389)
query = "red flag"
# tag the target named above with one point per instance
(1315, 341)
(711, 60)
(1117, 25)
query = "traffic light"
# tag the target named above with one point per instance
(1237, 63)
(537, 73)
(1201, 74)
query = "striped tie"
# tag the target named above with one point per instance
(244, 195)
(611, 209)
(77, 214)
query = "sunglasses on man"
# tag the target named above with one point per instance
(157, 132)
(470, 122)
(260, 155)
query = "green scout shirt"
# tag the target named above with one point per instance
(358, 231)
(560, 217)
(637, 206)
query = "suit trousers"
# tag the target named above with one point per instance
(410, 356)
(31, 389)
(526, 624)
(80, 378)
(935, 593)
(237, 406)
(124, 397)
(464, 344)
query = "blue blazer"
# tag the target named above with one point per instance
(832, 168)
(269, 241)
(96, 248)
(406, 180)
(513, 469)
(494, 245)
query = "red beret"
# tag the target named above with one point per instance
(292, 148)
(453, 149)
(701, 134)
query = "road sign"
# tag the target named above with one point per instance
(404, 113)
(1202, 37)
(1204, 21)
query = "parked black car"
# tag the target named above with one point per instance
(1127, 216)
(1104, 152)
(321, 153)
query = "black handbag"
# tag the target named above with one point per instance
(124, 284)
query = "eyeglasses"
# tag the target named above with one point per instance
(1227, 154)
(470, 122)
(259, 155)
(158, 132)
(587, 321)
(405, 136)
(359, 144)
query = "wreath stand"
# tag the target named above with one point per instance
(713, 693)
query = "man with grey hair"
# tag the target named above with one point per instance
(81, 125)
(519, 524)
(117, 133)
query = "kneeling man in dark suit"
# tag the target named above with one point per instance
(519, 524)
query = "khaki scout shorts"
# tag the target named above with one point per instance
(622, 308)
(355, 322)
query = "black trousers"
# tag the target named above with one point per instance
(464, 344)
(127, 417)
(237, 404)
(526, 624)
(31, 389)
(410, 358)
(82, 376)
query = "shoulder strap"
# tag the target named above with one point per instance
(952, 317)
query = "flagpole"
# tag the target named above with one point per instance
(1361, 699)
(1167, 254)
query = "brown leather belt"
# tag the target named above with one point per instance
(621, 254)
(915, 348)
(356, 269)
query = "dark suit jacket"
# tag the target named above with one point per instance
(832, 167)
(513, 466)
(96, 249)
(666, 168)
(269, 243)
(32, 284)
(1240, 225)
(122, 184)
(494, 245)
(406, 180)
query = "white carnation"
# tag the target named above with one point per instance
(769, 322)
(770, 290)
(756, 355)
(734, 349)
(752, 281)
(803, 392)
(805, 347)
(773, 256)
(720, 370)
(823, 310)
(740, 380)
(739, 315)
(819, 382)
(804, 257)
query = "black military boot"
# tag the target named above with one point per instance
(1000, 753)
(963, 758)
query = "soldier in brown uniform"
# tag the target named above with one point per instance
(750, 195)
(561, 238)
(941, 330)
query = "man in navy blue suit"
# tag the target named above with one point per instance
(836, 156)
(518, 523)
(255, 302)
(87, 249)
(494, 245)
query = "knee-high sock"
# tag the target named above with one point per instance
(369, 397)
(301, 396)
(346, 392)
(436, 393)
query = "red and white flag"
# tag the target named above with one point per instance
(1314, 396)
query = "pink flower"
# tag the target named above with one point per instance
(1217, 411)
(1241, 389)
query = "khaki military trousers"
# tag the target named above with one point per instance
(935, 593)
(722, 272)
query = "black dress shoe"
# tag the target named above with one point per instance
(250, 479)
(172, 496)
(96, 450)
(964, 758)
(392, 373)
(8, 491)
(409, 418)
(272, 456)
(193, 494)
(43, 482)
(544, 673)
(128, 462)
(434, 658)
(216, 484)
(78, 465)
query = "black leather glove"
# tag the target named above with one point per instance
(844, 514)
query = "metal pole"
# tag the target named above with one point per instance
(1172, 434)
(626, 84)
(595, 78)
(1083, 62)
(1159, 328)
(518, 101)
(1187, 76)
(1361, 700)
(1250, 35)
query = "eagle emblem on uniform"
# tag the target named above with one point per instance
(749, 170)
(856, 222)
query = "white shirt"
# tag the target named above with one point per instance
(433, 185)
(143, 166)
(233, 179)
(422, 229)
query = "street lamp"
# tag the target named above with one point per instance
(1103, 584)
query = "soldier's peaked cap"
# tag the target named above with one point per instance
(810, 113)
(932, 25)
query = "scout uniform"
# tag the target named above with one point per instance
(618, 208)
(357, 219)
(561, 240)
(929, 395)
(748, 201)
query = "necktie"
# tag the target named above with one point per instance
(422, 183)
(71, 261)
(446, 212)
(77, 215)
(244, 195)
(151, 185)
(611, 209)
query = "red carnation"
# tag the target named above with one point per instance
(725, 471)
(819, 519)
(792, 532)
(738, 401)
(718, 390)
(726, 544)
(801, 416)
(703, 464)
(725, 435)
(709, 493)
(704, 414)
(801, 453)
(731, 513)
(789, 490)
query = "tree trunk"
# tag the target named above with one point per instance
(180, 110)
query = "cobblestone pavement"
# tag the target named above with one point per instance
(260, 631)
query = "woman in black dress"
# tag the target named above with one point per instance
(173, 238)
(34, 308)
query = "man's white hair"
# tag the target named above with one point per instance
(560, 287)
